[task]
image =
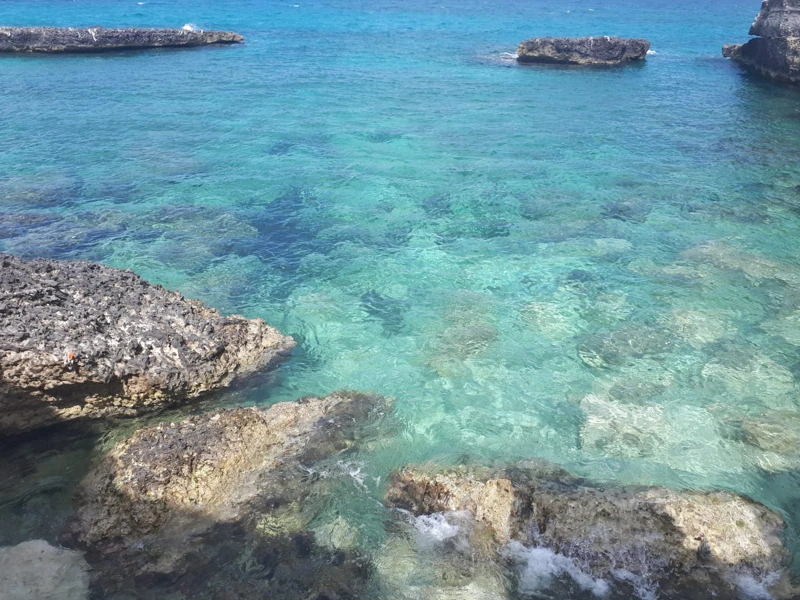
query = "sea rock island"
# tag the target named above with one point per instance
(600, 50)
(101, 39)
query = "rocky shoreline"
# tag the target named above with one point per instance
(599, 50)
(775, 53)
(80, 340)
(102, 39)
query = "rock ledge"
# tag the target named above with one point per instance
(79, 339)
(101, 39)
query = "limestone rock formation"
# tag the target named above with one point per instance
(776, 52)
(79, 339)
(682, 542)
(171, 501)
(101, 39)
(601, 50)
(37, 570)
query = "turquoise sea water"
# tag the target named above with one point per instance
(596, 266)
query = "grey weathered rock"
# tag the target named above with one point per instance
(777, 19)
(601, 50)
(79, 339)
(163, 506)
(101, 39)
(36, 570)
(778, 58)
(682, 542)
(776, 53)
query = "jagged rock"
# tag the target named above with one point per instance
(601, 50)
(101, 39)
(233, 485)
(687, 544)
(35, 570)
(777, 19)
(778, 58)
(79, 339)
(776, 53)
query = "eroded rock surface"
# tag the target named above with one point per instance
(776, 52)
(684, 544)
(79, 339)
(36, 570)
(168, 509)
(600, 50)
(101, 39)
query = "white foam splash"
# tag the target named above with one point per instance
(451, 528)
(756, 588)
(191, 27)
(540, 566)
(652, 52)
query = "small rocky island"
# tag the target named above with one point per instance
(101, 39)
(81, 340)
(602, 50)
(776, 52)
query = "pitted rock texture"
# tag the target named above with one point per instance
(683, 542)
(777, 19)
(162, 507)
(79, 339)
(600, 50)
(101, 39)
(776, 53)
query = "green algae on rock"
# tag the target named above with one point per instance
(167, 503)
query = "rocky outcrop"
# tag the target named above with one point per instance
(79, 339)
(100, 39)
(776, 52)
(602, 50)
(37, 570)
(161, 508)
(683, 543)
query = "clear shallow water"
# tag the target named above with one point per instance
(595, 266)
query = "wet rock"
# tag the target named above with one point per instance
(678, 542)
(81, 340)
(101, 39)
(164, 507)
(776, 53)
(601, 50)
(36, 570)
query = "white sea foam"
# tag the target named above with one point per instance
(756, 587)
(652, 52)
(539, 566)
(452, 528)
(191, 27)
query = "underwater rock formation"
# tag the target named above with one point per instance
(100, 39)
(232, 485)
(776, 52)
(688, 543)
(79, 339)
(37, 570)
(602, 50)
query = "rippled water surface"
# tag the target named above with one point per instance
(600, 267)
